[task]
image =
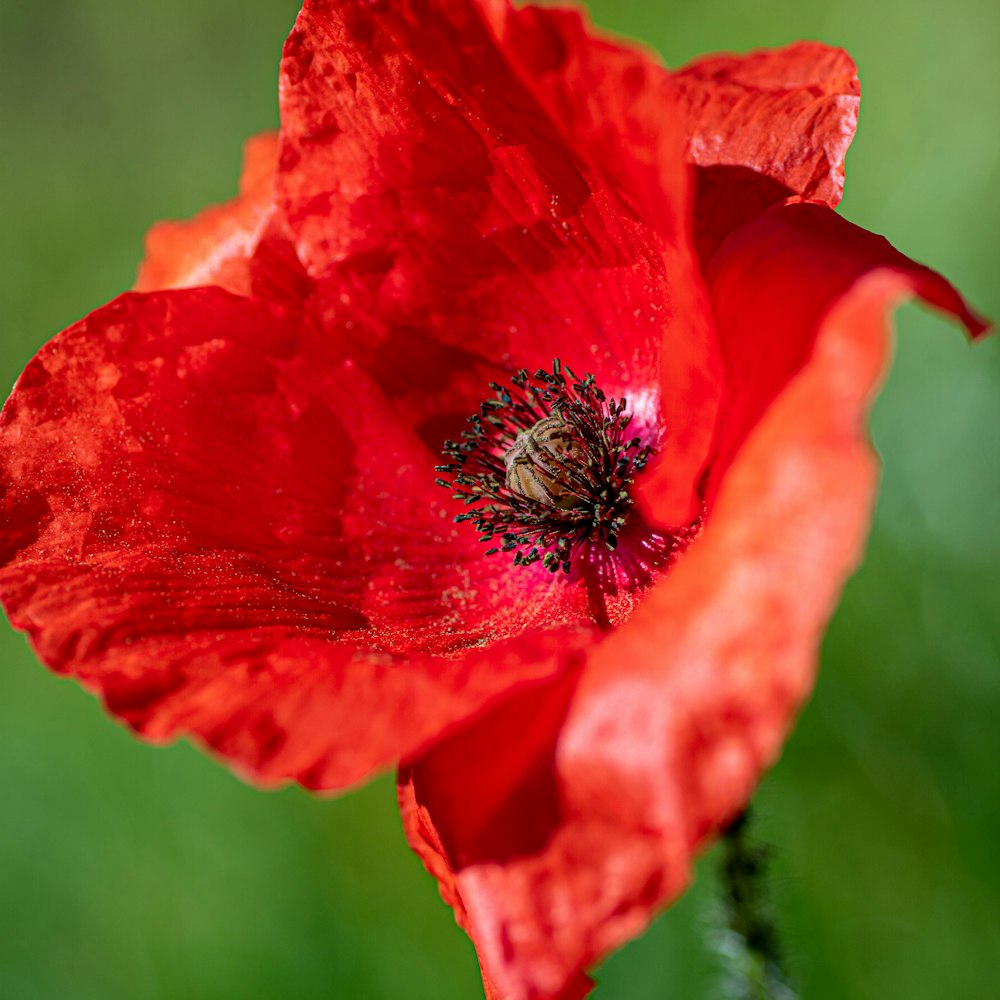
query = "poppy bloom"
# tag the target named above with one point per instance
(222, 492)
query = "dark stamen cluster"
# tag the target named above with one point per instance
(550, 462)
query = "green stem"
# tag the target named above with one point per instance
(749, 945)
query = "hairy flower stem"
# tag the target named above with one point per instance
(749, 944)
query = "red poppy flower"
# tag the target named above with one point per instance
(219, 490)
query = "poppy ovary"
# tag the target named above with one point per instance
(542, 462)
(548, 464)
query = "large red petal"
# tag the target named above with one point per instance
(617, 108)
(216, 247)
(452, 230)
(771, 284)
(765, 126)
(211, 519)
(513, 813)
(675, 715)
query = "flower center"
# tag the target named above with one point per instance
(548, 463)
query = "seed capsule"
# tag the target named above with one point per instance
(537, 464)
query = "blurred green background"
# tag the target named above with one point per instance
(132, 873)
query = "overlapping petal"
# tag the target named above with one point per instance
(453, 232)
(765, 126)
(614, 104)
(771, 284)
(617, 108)
(216, 247)
(211, 522)
(674, 715)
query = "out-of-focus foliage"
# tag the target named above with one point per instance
(131, 873)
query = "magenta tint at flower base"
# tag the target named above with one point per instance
(508, 428)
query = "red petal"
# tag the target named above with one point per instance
(454, 233)
(215, 247)
(465, 805)
(771, 284)
(616, 107)
(213, 522)
(765, 126)
(614, 104)
(675, 715)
